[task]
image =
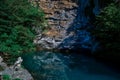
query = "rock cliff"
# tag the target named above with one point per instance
(60, 15)
(68, 21)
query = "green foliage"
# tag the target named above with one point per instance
(17, 18)
(6, 77)
(20, 12)
(17, 79)
(107, 30)
(20, 39)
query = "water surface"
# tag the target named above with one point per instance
(57, 66)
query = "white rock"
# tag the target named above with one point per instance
(1, 59)
(18, 63)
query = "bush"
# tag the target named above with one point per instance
(18, 41)
(7, 77)
(107, 30)
(17, 18)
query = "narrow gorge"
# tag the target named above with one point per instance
(69, 23)
(59, 39)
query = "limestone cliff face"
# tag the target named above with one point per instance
(59, 14)
(68, 21)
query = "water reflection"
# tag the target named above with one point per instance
(57, 66)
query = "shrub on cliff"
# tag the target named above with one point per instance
(17, 18)
(7, 77)
(107, 30)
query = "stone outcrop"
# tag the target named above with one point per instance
(14, 71)
(68, 21)
(60, 15)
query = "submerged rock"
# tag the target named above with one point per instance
(45, 66)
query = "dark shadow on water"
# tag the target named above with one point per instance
(79, 67)
(82, 64)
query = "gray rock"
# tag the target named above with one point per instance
(15, 71)
(20, 73)
(77, 18)
(2, 64)
(1, 59)
(47, 42)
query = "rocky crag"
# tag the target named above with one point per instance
(60, 15)
(68, 21)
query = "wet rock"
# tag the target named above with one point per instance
(46, 65)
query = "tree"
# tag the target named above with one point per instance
(107, 30)
(17, 18)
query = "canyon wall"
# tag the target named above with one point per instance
(68, 21)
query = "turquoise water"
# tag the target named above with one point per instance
(57, 66)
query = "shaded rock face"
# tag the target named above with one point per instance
(68, 21)
(84, 20)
